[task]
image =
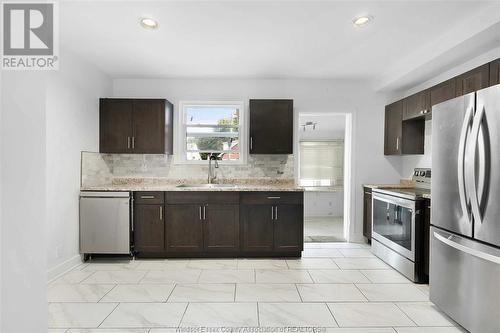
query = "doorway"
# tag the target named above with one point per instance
(323, 163)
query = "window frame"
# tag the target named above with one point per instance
(181, 154)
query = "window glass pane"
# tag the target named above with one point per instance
(211, 115)
(212, 143)
(225, 130)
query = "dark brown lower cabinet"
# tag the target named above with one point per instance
(272, 222)
(184, 228)
(218, 224)
(258, 228)
(288, 228)
(367, 213)
(221, 228)
(149, 228)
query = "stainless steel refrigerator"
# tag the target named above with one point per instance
(465, 232)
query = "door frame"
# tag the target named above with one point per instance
(349, 202)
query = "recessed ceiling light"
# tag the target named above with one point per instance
(362, 21)
(149, 23)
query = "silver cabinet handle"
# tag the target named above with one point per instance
(128, 142)
(276, 214)
(464, 202)
(147, 196)
(274, 197)
(397, 143)
(272, 212)
(133, 142)
(204, 212)
(161, 213)
(251, 143)
(474, 195)
(200, 213)
(473, 252)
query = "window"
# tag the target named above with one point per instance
(209, 128)
(321, 163)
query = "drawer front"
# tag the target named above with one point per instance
(202, 197)
(271, 198)
(148, 197)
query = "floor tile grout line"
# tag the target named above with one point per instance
(107, 293)
(406, 314)
(109, 314)
(362, 293)
(330, 310)
(258, 315)
(298, 292)
(183, 314)
(170, 294)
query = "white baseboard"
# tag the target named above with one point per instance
(63, 267)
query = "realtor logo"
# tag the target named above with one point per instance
(29, 36)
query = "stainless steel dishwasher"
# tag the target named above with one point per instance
(104, 223)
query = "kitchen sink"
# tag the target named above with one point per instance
(207, 185)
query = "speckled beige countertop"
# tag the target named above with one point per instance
(153, 184)
(404, 183)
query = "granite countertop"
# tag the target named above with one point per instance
(240, 185)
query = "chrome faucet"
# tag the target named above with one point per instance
(212, 175)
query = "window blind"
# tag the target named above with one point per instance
(321, 163)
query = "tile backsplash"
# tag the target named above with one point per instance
(100, 169)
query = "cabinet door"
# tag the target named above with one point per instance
(221, 228)
(473, 80)
(417, 105)
(393, 128)
(257, 224)
(149, 127)
(444, 91)
(495, 72)
(271, 126)
(367, 215)
(149, 228)
(288, 228)
(184, 228)
(115, 126)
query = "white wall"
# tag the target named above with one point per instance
(370, 165)
(72, 126)
(324, 204)
(22, 212)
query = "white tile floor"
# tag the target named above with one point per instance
(338, 286)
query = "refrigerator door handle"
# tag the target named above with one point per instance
(466, 127)
(477, 126)
(473, 252)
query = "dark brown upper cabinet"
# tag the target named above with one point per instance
(402, 137)
(271, 126)
(393, 128)
(495, 72)
(444, 91)
(135, 126)
(473, 80)
(417, 105)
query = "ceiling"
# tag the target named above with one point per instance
(274, 39)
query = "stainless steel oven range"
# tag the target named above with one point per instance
(398, 226)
